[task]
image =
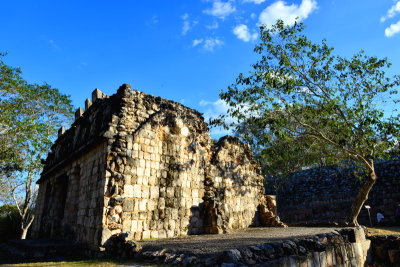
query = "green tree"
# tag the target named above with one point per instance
(304, 96)
(29, 119)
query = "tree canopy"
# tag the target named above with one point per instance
(302, 96)
(29, 119)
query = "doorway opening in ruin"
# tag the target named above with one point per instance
(58, 201)
(70, 221)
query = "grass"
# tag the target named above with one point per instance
(80, 263)
(383, 231)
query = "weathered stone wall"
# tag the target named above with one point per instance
(70, 202)
(157, 163)
(156, 174)
(159, 166)
(234, 188)
(385, 250)
(325, 194)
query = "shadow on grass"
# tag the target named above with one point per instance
(73, 262)
(82, 263)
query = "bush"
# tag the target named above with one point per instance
(10, 222)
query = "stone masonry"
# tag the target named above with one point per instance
(141, 164)
(325, 194)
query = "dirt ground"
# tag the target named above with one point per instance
(210, 244)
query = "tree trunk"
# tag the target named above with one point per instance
(24, 231)
(361, 197)
(25, 226)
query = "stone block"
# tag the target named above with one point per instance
(170, 233)
(145, 191)
(105, 235)
(61, 131)
(322, 259)
(139, 171)
(88, 103)
(128, 205)
(97, 94)
(154, 192)
(134, 225)
(128, 191)
(143, 204)
(154, 234)
(161, 208)
(145, 234)
(151, 205)
(170, 192)
(78, 113)
(330, 256)
(126, 225)
(356, 234)
(137, 191)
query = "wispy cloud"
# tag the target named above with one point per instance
(212, 109)
(254, 1)
(208, 44)
(287, 13)
(242, 32)
(54, 45)
(152, 21)
(187, 24)
(213, 26)
(392, 29)
(197, 42)
(393, 11)
(221, 9)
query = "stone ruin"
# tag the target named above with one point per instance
(136, 163)
(325, 194)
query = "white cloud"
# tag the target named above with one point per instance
(208, 44)
(220, 9)
(218, 107)
(288, 13)
(196, 42)
(242, 32)
(187, 25)
(213, 26)
(213, 110)
(393, 11)
(254, 1)
(212, 43)
(392, 29)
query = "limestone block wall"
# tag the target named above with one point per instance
(70, 202)
(156, 173)
(234, 189)
(325, 194)
(137, 163)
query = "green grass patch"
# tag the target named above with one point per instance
(383, 231)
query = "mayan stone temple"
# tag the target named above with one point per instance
(132, 162)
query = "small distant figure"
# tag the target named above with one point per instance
(397, 215)
(379, 217)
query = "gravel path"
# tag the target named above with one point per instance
(204, 245)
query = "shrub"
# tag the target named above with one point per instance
(10, 222)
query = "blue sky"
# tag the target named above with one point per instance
(183, 50)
